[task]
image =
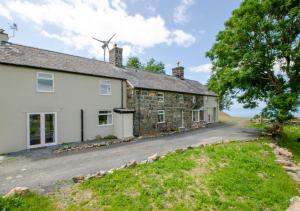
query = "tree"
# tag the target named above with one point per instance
(257, 57)
(134, 62)
(154, 66)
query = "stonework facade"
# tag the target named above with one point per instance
(177, 108)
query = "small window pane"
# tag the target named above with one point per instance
(105, 118)
(201, 115)
(45, 85)
(195, 116)
(105, 87)
(45, 75)
(161, 116)
(161, 97)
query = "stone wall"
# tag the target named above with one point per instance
(146, 106)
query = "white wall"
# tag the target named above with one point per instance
(210, 103)
(123, 125)
(18, 96)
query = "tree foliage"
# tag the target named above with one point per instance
(152, 65)
(257, 57)
(134, 62)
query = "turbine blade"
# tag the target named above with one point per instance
(98, 40)
(111, 38)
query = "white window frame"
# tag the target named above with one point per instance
(161, 112)
(50, 79)
(42, 127)
(101, 82)
(198, 115)
(194, 99)
(180, 98)
(161, 98)
(112, 117)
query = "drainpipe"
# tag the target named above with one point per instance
(139, 104)
(81, 122)
(122, 95)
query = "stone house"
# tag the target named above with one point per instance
(50, 98)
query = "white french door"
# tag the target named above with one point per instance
(41, 129)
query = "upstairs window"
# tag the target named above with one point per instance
(45, 82)
(105, 118)
(180, 98)
(105, 87)
(161, 116)
(194, 99)
(161, 97)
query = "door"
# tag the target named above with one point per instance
(181, 124)
(42, 129)
(215, 114)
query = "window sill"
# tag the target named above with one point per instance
(104, 94)
(45, 91)
(105, 125)
(161, 122)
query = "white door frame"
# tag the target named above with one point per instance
(42, 128)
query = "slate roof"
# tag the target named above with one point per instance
(44, 59)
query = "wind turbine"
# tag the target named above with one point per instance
(105, 44)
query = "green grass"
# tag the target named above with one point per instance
(232, 176)
(29, 201)
(263, 126)
(289, 140)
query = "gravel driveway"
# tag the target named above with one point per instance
(41, 173)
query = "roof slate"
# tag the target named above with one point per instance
(44, 59)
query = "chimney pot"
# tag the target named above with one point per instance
(116, 56)
(3, 36)
(178, 71)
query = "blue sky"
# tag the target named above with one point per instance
(167, 30)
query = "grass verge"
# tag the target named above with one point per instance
(238, 176)
(289, 140)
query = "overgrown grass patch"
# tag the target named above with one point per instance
(289, 140)
(30, 201)
(232, 176)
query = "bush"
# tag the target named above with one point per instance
(108, 137)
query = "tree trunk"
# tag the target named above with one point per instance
(277, 130)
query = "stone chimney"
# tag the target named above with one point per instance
(3, 36)
(116, 56)
(178, 71)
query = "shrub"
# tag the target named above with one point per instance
(108, 137)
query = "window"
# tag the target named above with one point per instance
(202, 115)
(194, 99)
(195, 115)
(161, 97)
(45, 82)
(161, 116)
(206, 98)
(180, 97)
(105, 87)
(144, 92)
(105, 118)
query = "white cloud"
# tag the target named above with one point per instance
(180, 12)
(4, 12)
(204, 68)
(182, 38)
(77, 21)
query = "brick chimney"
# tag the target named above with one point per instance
(178, 71)
(116, 56)
(3, 36)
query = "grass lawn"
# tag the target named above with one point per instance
(238, 176)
